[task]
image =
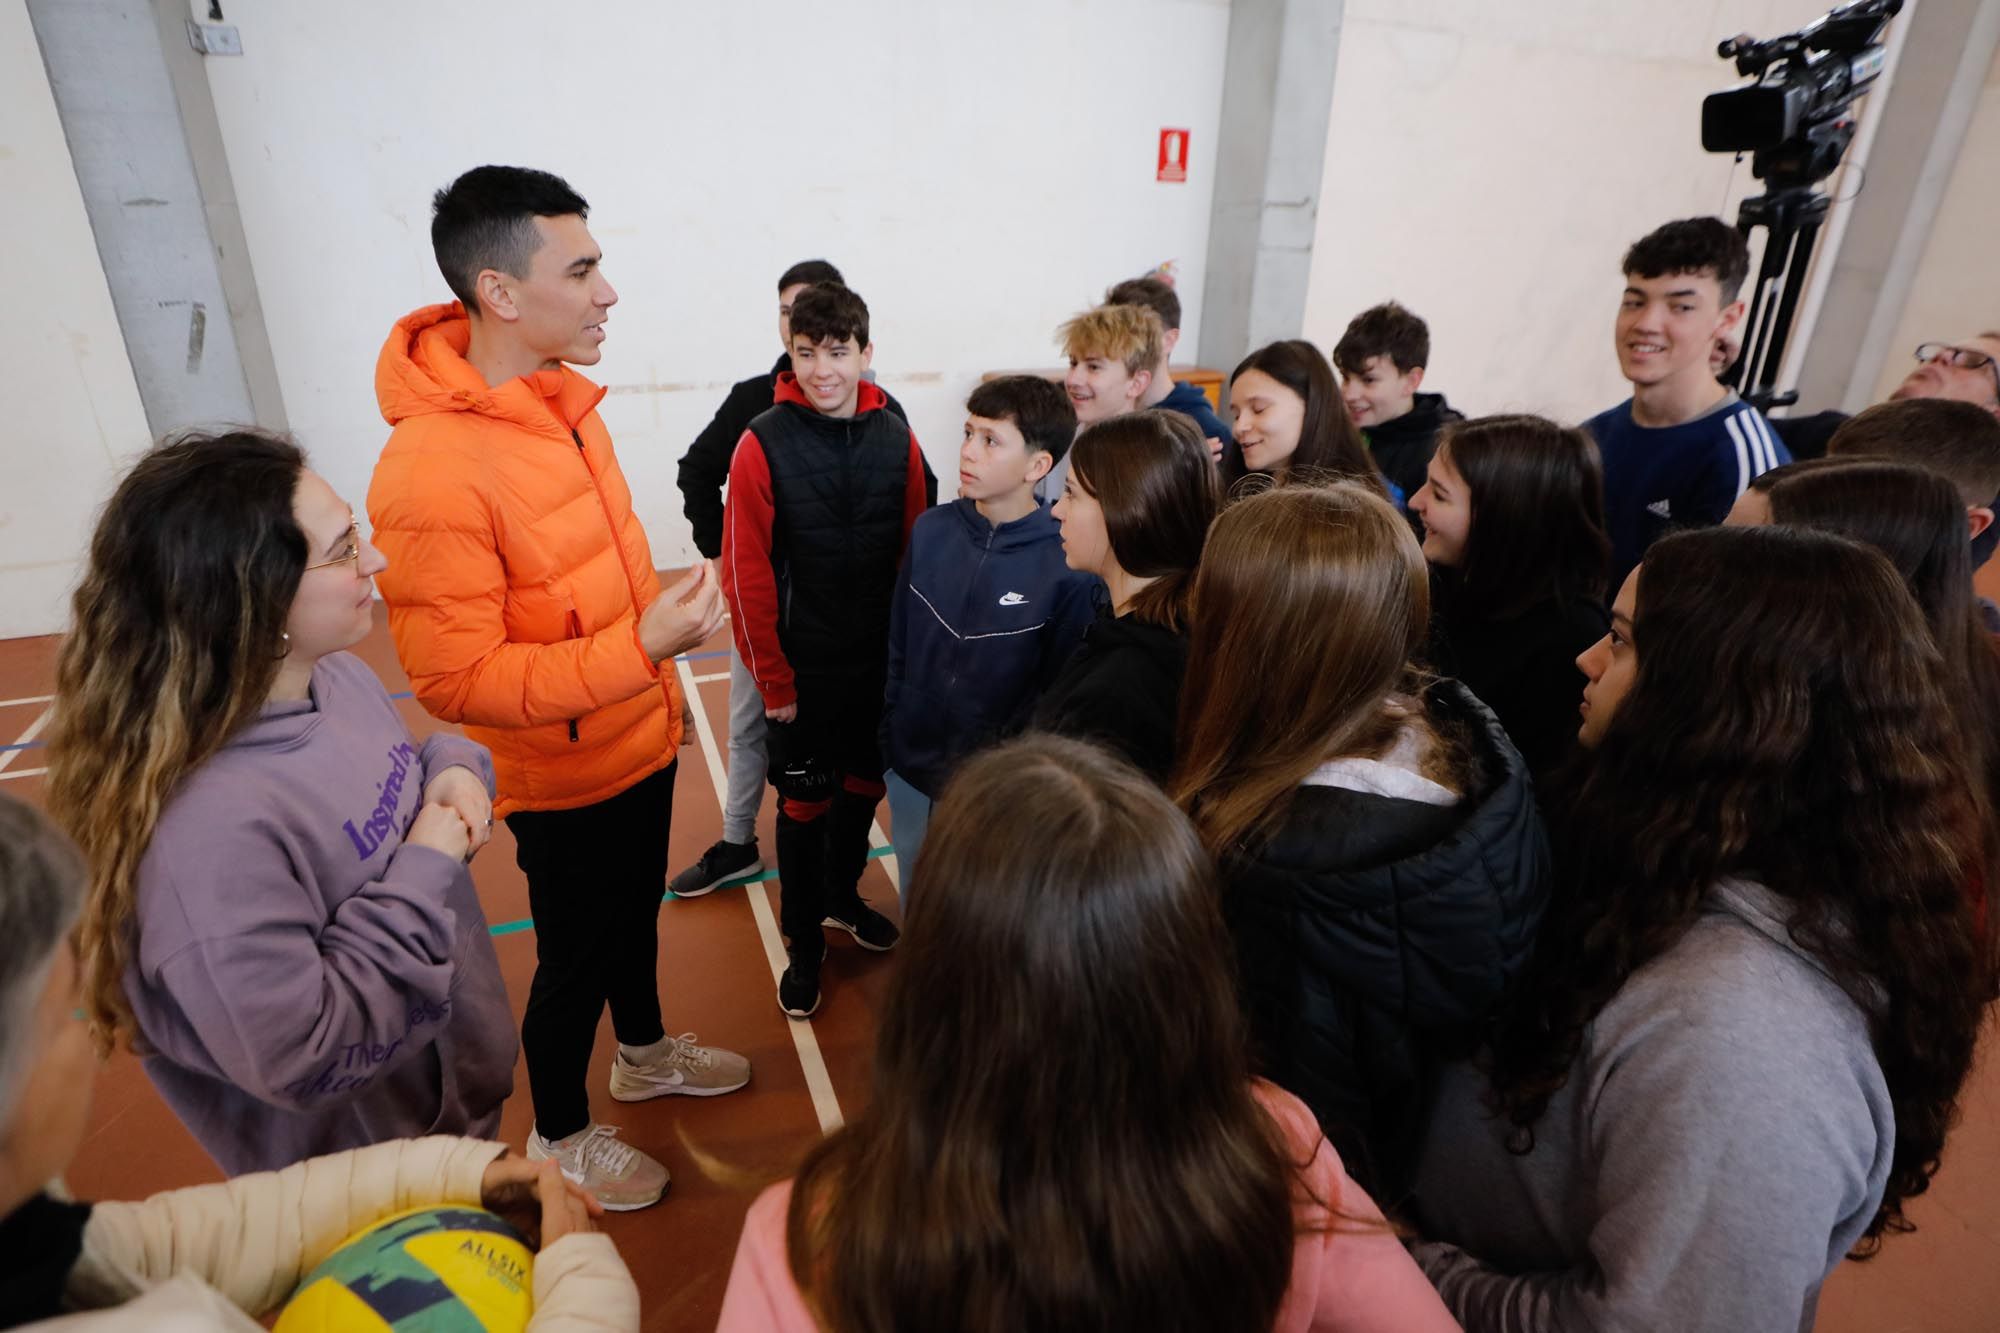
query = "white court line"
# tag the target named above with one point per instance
(34, 729)
(31, 699)
(22, 773)
(825, 1104)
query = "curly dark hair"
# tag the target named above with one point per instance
(1693, 245)
(1790, 721)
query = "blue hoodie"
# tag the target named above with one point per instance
(984, 618)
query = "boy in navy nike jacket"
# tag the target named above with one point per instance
(986, 610)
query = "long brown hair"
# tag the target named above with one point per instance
(1062, 1133)
(1537, 529)
(1916, 518)
(1330, 444)
(1789, 721)
(1311, 603)
(176, 634)
(1151, 474)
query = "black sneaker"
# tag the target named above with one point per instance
(870, 929)
(798, 990)
(723, 861)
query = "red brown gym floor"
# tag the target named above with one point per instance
(716, 981)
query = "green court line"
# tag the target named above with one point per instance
(528, 923)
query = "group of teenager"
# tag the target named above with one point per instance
(1361, 867)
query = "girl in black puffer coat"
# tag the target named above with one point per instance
(1384, 866)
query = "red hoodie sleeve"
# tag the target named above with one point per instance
(748, 580)
(916, 497)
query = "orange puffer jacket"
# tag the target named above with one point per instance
(517, 571)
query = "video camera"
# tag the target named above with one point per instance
(1792, 117)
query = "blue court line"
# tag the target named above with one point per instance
(528, 923)
(400, 694)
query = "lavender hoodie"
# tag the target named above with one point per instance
(304, 982)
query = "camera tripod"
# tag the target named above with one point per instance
(1791, 218)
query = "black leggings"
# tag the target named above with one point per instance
(596, 876)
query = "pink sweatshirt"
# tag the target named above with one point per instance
(1344, 1280)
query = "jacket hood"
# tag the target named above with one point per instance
(1443, 901)
(1031, 529)
(289, 723)
(422, 371)
(1428, 412)
(870, 399)
(1763, 910)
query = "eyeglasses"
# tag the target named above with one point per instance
(1965, 358)
(352, 552)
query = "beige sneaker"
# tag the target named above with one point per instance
(618, 1175)
(686, 1069)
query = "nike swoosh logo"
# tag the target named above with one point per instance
(1013, 599)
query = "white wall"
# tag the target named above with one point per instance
(73, 413)
(1488, 164)
(1957, 289)
(979, 172)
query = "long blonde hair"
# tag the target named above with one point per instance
(176, 635)
(1309, 605)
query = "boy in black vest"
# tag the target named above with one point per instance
(823, 490)
(704, 468)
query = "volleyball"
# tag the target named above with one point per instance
(428, 1270)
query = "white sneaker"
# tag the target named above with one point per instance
(686, 1069)
(616, 1174)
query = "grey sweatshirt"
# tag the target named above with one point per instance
(1723, 1140)
(303, 981)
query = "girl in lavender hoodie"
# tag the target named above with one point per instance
(280, 917)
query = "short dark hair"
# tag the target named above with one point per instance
(486, 219)
(827, 312)
(1537, 530)
(1389, 330)
(1693, 245)
(1156, 294)
(1039, 409)
(1960, 440)
(810, 270)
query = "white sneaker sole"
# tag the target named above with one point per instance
(646, 1092)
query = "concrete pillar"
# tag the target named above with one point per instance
(1277, 94)
(1947, 51)
(142, 134)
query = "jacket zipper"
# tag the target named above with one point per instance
(972, 591)
(605, 509)
(575, 632)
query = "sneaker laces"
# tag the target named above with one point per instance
(683, 1051)
(599, 1145)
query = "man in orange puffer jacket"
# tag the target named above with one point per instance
(523, 603)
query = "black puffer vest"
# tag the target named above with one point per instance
(838, 491)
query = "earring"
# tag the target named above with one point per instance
(284, 644)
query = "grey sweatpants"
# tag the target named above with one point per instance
(746, 752)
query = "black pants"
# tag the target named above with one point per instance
(827, 767)
(596, 877)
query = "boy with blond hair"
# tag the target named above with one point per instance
(1113, 351)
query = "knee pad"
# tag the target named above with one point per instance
(802, 780)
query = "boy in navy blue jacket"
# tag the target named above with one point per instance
(986, 610)
(1683, 447)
